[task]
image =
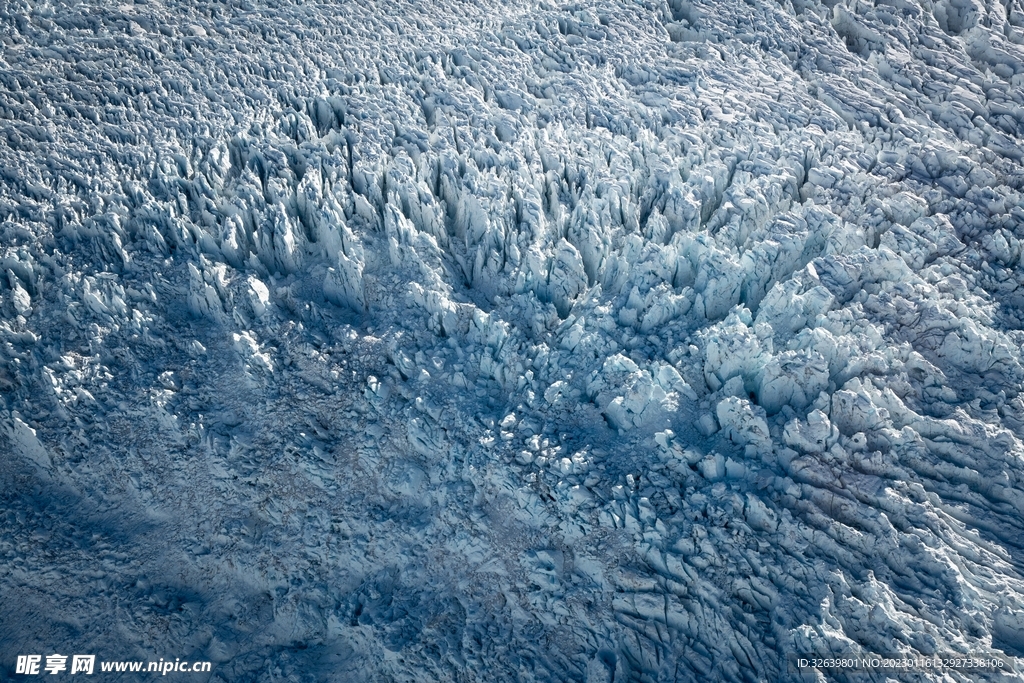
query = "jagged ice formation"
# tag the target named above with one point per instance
(619, 341)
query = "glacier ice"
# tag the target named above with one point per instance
(602, 341)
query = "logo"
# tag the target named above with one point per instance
(55, 663)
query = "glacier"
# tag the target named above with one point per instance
(603, 341)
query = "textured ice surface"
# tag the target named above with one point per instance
(619, 341)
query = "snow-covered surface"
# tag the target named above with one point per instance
(506, 341)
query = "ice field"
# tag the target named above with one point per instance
(511, 341)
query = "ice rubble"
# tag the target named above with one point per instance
(608, 341)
